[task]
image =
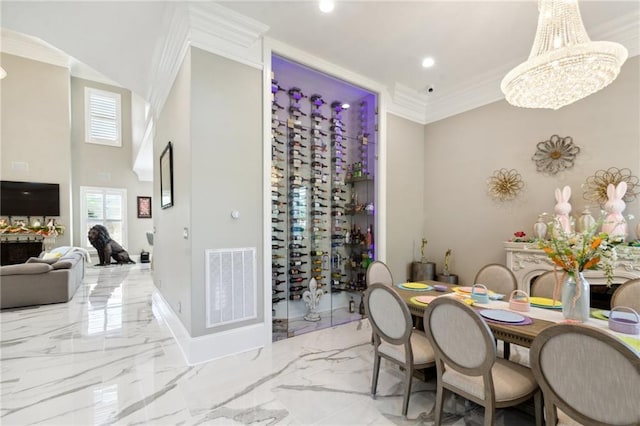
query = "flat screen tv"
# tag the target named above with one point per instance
(29, 199)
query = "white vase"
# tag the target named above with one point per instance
(540, 228)
(586, 221)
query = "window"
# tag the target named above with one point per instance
(102, 117)
(107, 207)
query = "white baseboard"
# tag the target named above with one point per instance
(197, 350)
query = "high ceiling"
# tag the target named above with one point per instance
(474, 43)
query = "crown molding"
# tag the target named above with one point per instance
(33, 48)
(207, 26)
(408, 103)
(169, 54)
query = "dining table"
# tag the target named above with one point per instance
(517, 334)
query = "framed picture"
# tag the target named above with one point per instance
(144, 207)
(166, 177)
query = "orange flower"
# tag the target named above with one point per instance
(596, 243)
(592, 262)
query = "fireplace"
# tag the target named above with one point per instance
(527, 263)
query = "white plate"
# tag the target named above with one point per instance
(502, 316)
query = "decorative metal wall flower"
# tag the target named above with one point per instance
(555, 154)
(595, 189)
(505, 184)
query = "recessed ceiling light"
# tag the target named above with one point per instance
(428, 62)
(326, 6)
(345, 106)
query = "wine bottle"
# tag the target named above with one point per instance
(296, 111)
(316, 115)
(317, 213)
(296, 152)
(297, 246)
(278, 282)
(297, 237)
(336, 213)
(297, 263)
(297, 179)
(277, 299)
(296, 162)
(318, 164)
(297, 229)
(276, 220)
(319, 277)
(296, 280)
(295, 296)
(316, 253)
(361, 307)
(276, 273)
(276, 291)
(276, 266)
(297, 288)
(295, 254)
(276, 247)
(318, 205)
(316, 156)
(276, 229)
(316, 270)
(275, 105)
(274, 238)
(318, 229)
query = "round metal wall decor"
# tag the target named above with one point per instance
(505, 184)
(555, 155)
(595, 189)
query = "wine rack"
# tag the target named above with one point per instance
(313, 188)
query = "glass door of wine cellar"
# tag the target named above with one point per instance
(323, 198)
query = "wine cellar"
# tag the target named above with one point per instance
(323, 168)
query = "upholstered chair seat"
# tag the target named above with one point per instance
(510, 381)
(422, 350)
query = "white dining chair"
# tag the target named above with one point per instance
(498, 278)
(628, 294)
(378, 272)
(394, 337)
(544, 285)
(467, 365)
(587, 376)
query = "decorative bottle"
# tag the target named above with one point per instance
(586, 221)
(540, 228)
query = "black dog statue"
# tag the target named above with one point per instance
(107, 248)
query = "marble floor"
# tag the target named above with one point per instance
(107, 357)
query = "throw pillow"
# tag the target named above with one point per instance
(54, 256)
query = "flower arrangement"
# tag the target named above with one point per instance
(576, 252)
(51, 229)
(521, 237)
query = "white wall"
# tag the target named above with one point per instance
(461, 152)
(172, 252)
(405, 194)
(226, 169)
(215, 125)
(106, 166)
(35, 128)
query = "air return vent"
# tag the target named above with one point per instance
(231, 289)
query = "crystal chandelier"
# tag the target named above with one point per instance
(564, 64)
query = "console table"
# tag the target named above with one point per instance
(527, 262)
(18, 248)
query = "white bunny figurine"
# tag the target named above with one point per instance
(615, 224)
(563, 208)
